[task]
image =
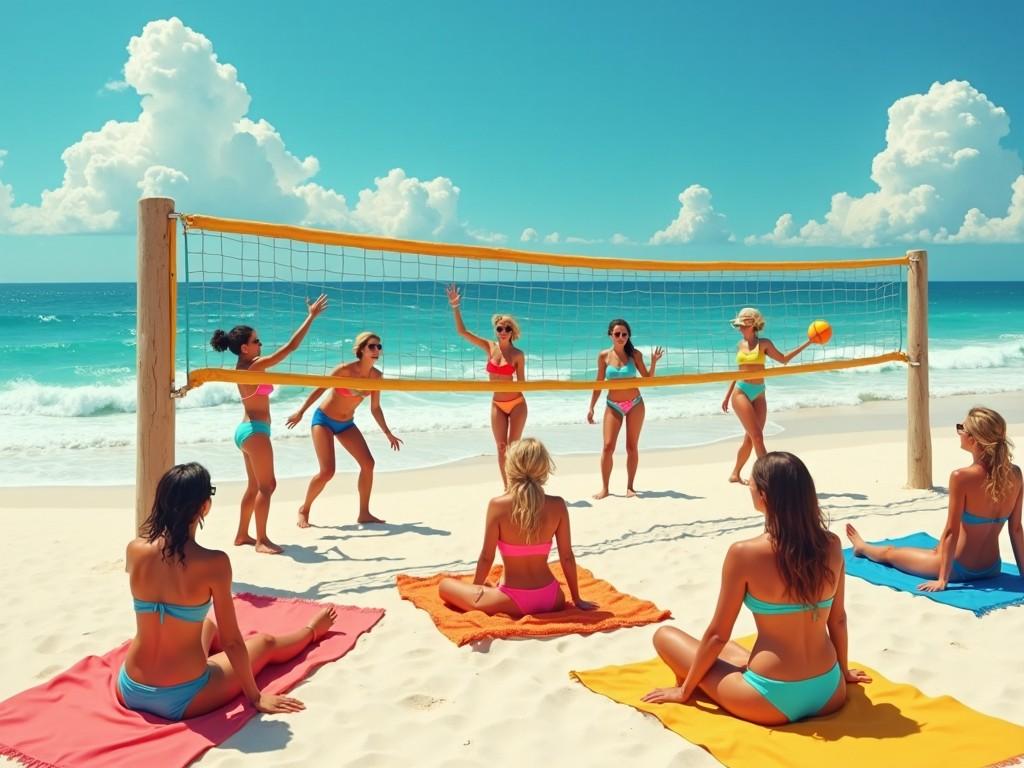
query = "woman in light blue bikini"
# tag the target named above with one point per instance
(253, 435)
(748, 395)
(621, 361)
(169, 671)
(798, 665)
(336, 419)
(982, 498)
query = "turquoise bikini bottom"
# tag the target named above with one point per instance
(797, 699)
(247, 429)
(167, 701)
(752, 391)
(963, 573)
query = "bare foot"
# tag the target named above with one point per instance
(856, 540)
(630, 493)
(267, 547)
(368, 518)
(303, 521)
(246, 540)
(322, 622)
(601, 494)
(738, 479)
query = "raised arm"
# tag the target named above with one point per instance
(1014, 527)
(563, 538)
(638, 360)
(950, 534)
(486, 559)
(378, 415)
(602, 365)
(837, 630)
(454, 299)
(313, 309)
(770, 350)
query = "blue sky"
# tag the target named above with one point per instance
(574, 127)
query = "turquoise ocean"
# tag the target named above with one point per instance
(67, 372)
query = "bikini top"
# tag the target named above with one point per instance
(750, 357)
(972, 519)
(627, 371)
(762, 606)
(346, 392)
(502, 370)
(522, 550)
(194, 613)
(261, 389)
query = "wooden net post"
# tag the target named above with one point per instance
(154, 339)
(919, 435)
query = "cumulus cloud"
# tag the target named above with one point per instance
(697, 220)
(940, 177)
(195, 140)
(553, 237)
(529, 234)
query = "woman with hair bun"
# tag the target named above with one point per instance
(253, 435)
(168, 670)
(335, 419)
(521, 524)
(982, 498)
(791, 577)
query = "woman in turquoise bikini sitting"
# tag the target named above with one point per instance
(791, 578)
(335, 419)
(169, 671)
(624, 406)
(253, 435)
(983, 497)
(748, 395)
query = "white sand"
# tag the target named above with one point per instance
(407, 696)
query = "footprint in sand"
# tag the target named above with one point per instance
(421, 701)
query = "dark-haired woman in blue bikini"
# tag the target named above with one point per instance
(336, 419)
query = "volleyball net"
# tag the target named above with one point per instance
(258, 274)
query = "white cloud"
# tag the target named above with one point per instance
(554, 237)
(942, 168)
(619, 239)
(697, 220)
(195, 140)
(529, 235)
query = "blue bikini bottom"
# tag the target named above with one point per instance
(167, 701)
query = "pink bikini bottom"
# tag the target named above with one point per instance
(540, 600)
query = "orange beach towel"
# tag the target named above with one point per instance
(614, 610)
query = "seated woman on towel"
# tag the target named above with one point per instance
(521, 524)
(169, 671)
(791, 578)
(982, 497)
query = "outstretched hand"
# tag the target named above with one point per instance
(271, 704)
(857, 676)
(454, 299)
(294, 419)
(932, 586)
(657, 354)
(665, 696)
(316, 306)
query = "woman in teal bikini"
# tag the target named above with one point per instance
(983, 497)
(621, 361)
(791, 578)
(336, 419)
(253, 435)
(169, 671)
(748, 395)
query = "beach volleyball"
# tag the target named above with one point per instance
(819, 332)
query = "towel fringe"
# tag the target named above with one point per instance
(23, 759)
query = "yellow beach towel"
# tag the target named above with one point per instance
(882, 724)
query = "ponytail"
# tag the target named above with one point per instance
(233, 339)
(527, 467)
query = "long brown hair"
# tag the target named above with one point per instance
(988, 429)
(527, 466)
(795, 525)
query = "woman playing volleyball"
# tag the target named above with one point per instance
(748, 395)
(504, 362)
(253, 435)
(336, 419)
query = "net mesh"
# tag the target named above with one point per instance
(563, 309)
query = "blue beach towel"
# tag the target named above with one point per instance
(977, 596)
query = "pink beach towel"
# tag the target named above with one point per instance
(75, 719)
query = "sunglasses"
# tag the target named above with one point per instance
(620, 334)
(960, 430)
(213, 490)
(256, 341)
(375, 346)
(503, 329)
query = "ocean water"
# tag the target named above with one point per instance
(67, 365)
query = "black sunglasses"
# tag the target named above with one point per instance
(213, 490)
(620, 334)
(256, 341)
(375, 346)
(960, 430)
(503, 328)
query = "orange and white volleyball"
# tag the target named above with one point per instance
(819, 332)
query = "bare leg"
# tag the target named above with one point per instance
(912, 560)
(263, 649)
(260, 453)
(517, 422)
(752, 416)
(634, 423)
(352, 440)
(323, 444)
(499, 428)
(247, 504)
(612, 425)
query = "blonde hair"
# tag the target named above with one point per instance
(361, 341)
(527, 467)
(495, 319)
(754, 315)
(988, 429)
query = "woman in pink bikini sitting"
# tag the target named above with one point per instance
(621, 361)
(253, 435)
(504, 362)
(521, 524)
(336, 419)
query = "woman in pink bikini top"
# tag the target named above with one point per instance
(521, 524)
